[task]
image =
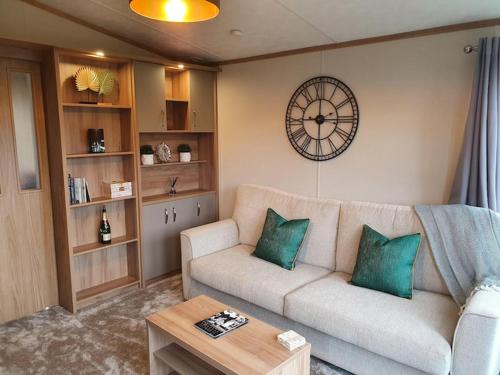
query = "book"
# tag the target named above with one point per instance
(87, 194)
(78, 190)
(71, 189)
(221, 323)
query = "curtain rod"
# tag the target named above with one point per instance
(470, 48)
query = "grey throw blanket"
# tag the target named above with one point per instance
(465, 242)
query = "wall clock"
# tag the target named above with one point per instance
(322, 118)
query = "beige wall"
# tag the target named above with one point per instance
(413, 98)
(21, 21)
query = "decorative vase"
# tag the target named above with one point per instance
(147, 159)
(184, 157)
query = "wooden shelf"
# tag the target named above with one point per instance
(97, 246)
(183, 362)
(101, 200)
(107, 287)
(99, 155)
(152, 199)
(174, 163)
(100, 106)
(82, 262)
(176, 100)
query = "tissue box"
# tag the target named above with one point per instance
(117, 189)
(291, 340)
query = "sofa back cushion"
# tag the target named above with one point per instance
(392, 221)
(318, 247)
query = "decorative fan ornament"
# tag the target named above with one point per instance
(106, 82)
(86, 79)
(163, 152)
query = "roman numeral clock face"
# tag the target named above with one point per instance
(322, 118)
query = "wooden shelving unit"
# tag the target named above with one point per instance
(176, 107)
(86, 268)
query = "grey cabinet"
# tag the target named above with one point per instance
(150, 104)
(201, 100)
(161, 227)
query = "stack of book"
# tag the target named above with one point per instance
(78, 190)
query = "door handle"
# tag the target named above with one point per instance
(175, 214)
(199, 209)
(162, 114)
(166, 216)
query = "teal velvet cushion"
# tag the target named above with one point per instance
(281, 239)
(386, 265)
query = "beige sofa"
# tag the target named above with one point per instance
(360, 330)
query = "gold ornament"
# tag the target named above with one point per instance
(86, 79)
(106, 82)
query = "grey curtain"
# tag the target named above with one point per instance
(477, 179)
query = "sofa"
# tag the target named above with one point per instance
(361, 330)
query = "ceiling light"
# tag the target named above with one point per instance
(99, 54)
(180, 66)
(176, 10)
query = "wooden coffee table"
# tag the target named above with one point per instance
(177, 346)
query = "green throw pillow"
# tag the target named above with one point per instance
(281, 239)
(386, 265)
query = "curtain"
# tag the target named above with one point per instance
(477, 179)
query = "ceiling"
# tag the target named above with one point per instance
(270, 26)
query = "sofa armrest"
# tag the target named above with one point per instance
(476, 345)
(204, 240)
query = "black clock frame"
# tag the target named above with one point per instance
(296, 135)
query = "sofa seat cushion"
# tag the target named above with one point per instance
(415, 332)
(236, 272)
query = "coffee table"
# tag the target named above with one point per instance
(176, 346)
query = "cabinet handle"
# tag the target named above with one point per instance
(166, 216)
(194, 119)
(175, 214)
(199, 209)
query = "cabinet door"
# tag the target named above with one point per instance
(201, 100)
(205, 209)
(150, 97)
(160, 240)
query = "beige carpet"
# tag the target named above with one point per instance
(106, 338)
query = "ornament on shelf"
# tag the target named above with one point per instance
(86, 79)
(106, 82)
(163, 152)
(101, 82)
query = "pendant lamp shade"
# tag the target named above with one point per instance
(176, 10)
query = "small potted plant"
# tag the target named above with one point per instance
(147, 155)
(184, 153)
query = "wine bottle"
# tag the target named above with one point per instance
(105, 228)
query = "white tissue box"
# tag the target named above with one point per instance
(291, 340)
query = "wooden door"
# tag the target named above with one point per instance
(149, 80)
(201, 101)
(27, 260)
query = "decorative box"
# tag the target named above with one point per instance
(117, 189)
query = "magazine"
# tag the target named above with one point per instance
(221, 323)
